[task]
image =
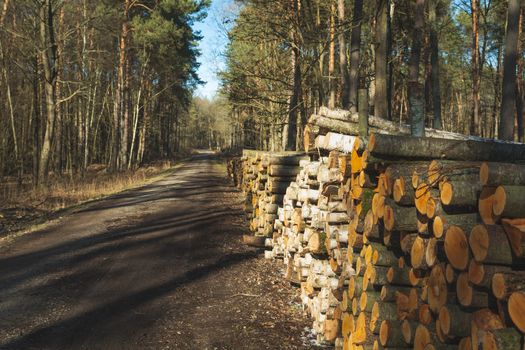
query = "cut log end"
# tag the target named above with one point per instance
(457, 248)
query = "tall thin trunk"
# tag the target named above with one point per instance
(49, 56)
(381, 101)
(295, 98)
(343, 65)
(415, 90)
(434, 61)
(519, 82)
(508, 104)
(355, 48)
(331, 59)
(476, 79)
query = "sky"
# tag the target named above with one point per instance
(213, 45)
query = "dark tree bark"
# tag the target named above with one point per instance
(355, 47)
(416, 101)
(381, 101)
(508, 104)
(434, 61)
(343, 65)
(295, 98)
(331, 60)
(476, 78)
(49, 56)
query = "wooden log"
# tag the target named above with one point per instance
(440, 170)
(367, 300)
(380, 312)
(339, 142)
(507, 282)
(515, 230)
(403, 193)
(382, 256)
(457, 248)
(454, 321)
(408, 330)
(485, 206)
(502, 339)
(389, 293)
(442, 223)
(391, 335)
(496, 174)
(489, 244)
(460, 194)
(482, 275)
(437, 289)
(417, 253)
(425, 315)
(434, 252)
(422, 338)
(508, 202)
(432, 148)
(516, 310)
(398, 276)
(400, 218)
(468, 296)
(283, 170)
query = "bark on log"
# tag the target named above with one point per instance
(502, 339)
(508, 282)
(508, 202)
(489, 244)
(443, 222)
(454, 321)
(407, 147)
(496, 174)
(515, 230)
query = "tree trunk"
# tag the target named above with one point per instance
(49, 56)
(434, 61)
(343, 67)
(331, 60)
(415, 88)
(381, 101)
(508, 104)
(476, 80)
(295, 98)
(355, 47)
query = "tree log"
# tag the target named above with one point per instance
(485, 205)
(506, 283)
(489, 244)
(391, 335)
(442, 223)
(454, 321)
(496, 174)
(400, 218)
(516, 309)
(503, 339)
(432, 148)
(457, 248)
(508, 202)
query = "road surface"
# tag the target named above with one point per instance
(158, 267)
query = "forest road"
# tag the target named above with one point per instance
(157, 267)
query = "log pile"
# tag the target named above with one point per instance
(401, 242)
(264, 178)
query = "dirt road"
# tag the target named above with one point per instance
(159, 267)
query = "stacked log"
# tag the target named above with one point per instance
(401, 242)
(265, 178)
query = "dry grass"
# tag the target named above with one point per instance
(23, 203)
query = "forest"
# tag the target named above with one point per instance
(450, 64)
(94, 82)
(112, 84)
